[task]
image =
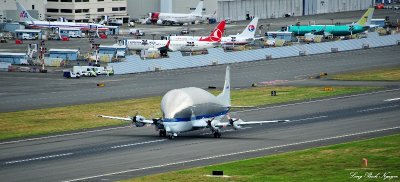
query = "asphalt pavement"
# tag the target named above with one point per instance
(23, 91)
(123, 152)
(120, 153)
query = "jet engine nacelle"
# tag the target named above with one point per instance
(159, 22)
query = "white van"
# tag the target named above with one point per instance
(27, 36)
(73, 34)
(137, 32)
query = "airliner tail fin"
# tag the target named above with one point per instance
(365, 20)
(23, 14)
(225, 96)
(199, 9)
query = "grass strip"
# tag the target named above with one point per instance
(341, 162)
(80, 117)
(387, 74)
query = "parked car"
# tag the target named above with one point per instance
(185, 31)
(137, 32)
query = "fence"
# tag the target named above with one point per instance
(134, 64)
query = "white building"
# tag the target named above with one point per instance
(243, 9)
(85, 10)
(141, 8)
(36, 8)
(187, 6)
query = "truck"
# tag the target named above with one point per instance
(70, 74)
(27, 36)
(92, 70)
(84, 71)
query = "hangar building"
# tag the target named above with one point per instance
(244, 9)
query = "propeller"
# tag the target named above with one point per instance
(137, 120)
(234, 122)
(211, 125)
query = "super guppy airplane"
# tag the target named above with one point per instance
(189, 109)
(336, 30)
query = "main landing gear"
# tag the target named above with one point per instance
(217, 134)
(162, 133)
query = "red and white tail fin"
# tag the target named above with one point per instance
(216, 34)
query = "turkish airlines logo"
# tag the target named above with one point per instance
(216, 35)
(23, 14)
(251, 28)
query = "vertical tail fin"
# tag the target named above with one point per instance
(199, 9)
(225, 96)
(23, 14)
(216, 34)
(250, 30)
(365, 20)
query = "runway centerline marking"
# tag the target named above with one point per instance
(394, 99)
(140, 143)
(378, 108)
(236, 153)
(39, 158)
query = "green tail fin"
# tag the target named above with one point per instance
(365, 20)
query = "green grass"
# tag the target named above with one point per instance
(80, 117)
(331, 163)
(388, 74)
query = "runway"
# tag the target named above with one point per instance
(121, 153)
(24, 91)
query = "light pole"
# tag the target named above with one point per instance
(144, 43)
(153, 38)
(192, 33)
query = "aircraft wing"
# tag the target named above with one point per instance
(240, 123)
(128, 119)
(261, 122)
(203, 123)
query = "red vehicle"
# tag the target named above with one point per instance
(379, 6)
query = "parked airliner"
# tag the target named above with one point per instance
(246, 37)
(189, 109)
(29, 22)
(363, 24)
(177, 18)
(175, 45)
